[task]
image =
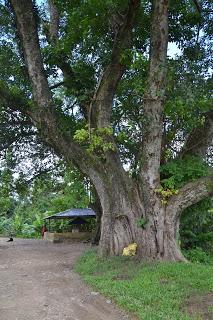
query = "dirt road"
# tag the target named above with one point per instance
(37, 282)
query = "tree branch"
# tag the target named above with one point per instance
(197, 5)
(54, 21)
(101, 104)
(190, 194)
(53, 135)
(200, 139)
(61, 60)
(154, 96)
(55, 86)
(43, 113)
(27, 28)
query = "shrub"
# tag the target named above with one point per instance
(197, 255)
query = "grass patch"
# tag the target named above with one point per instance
(152, 291)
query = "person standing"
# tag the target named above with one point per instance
(43, 230)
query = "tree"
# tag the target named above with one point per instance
(26, 202)
(7, 201)
(105, 70)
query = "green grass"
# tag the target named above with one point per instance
(152, 291)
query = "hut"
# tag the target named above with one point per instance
(76, 219)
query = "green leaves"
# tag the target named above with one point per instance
(96, 140)
(142, 223)
(126, 57)
(196, 227)
(176, 173)
(46, 195)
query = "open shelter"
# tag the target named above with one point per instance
(76, 217)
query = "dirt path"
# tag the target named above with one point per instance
(37, 283)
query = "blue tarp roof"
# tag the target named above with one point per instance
(72, 213)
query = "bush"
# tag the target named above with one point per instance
(197, 255)
(196, 227)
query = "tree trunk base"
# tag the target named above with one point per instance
(152, 244)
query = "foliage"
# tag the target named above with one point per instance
(46, 196)
(197, 255)
(196, 227)
(7, 201)
(96, 139)
(151, 291)
(87, 32)
(79, 57)
(175, 173)
(196, 221)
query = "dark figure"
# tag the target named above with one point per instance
(43, 230)
(10, 240)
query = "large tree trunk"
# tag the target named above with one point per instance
(157, 238)
(160, 236)
(118, 225)
(96, 206)
(124, 206)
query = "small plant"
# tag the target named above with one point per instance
(166, 194)
(142, 222)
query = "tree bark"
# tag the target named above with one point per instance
(154, 97)
(96, 206)
(190, 194)
(160, 237)
(120, 214)
(54, 21)
(200, 139)
(123, 208)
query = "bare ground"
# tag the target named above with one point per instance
(201, 305)
(37, 282)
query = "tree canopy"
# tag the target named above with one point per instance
(95, 82)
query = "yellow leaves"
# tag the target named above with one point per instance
(164, 202)
(130, 250)
(166, 194)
